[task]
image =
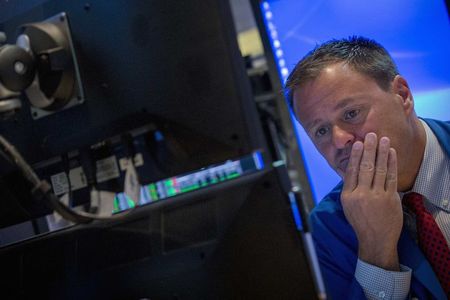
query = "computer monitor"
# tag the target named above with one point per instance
(418, 40)
(233, 240)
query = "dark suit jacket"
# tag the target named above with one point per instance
(337, 246)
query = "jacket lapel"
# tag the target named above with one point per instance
(411, 256)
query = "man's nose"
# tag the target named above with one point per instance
(342, 137)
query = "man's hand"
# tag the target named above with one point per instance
(371, 202)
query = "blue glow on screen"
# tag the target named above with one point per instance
(416, 33)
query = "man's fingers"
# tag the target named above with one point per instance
(351, 173)
(367, 165)
(391, 177)
(381, 166)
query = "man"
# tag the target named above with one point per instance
(359, 113)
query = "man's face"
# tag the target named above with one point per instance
(341, 106)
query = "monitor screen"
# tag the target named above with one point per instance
(416, 33)
(184, 183)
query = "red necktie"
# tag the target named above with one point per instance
(431, 240)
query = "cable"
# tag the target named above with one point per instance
(42, 190)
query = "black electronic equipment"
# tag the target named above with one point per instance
(168, 74)
(233, 240)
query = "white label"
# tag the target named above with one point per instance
(60, 184)
(138, 161)
(103, 201)
(107, 169)
(77, 178)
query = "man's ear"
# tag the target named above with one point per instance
(403, 92)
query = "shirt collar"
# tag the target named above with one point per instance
(433, 178)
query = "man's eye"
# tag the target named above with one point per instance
(351, 114)
(321, 131)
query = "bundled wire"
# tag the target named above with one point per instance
(42, 191)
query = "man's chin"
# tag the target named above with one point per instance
(341, 169)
